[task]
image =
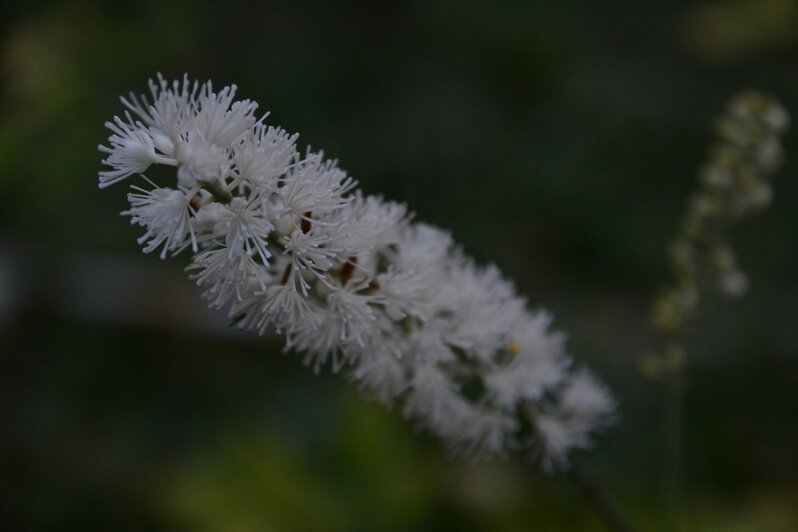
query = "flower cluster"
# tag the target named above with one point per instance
(285, 241)
(733, 184)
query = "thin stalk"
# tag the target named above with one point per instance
(674, 427)
(604, 506)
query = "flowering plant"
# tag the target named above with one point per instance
(284, 240)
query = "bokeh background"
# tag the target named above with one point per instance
(556, 139)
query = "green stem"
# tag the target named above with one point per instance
(605, 507)
(674, 426)
(218, 192)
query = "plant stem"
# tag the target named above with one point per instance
(218, 192)
(604, 506)
(674, 421)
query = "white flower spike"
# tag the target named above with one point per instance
(286, 241)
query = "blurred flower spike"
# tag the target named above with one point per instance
(284, 240)
(735, 183)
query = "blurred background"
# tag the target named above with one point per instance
(556, 139)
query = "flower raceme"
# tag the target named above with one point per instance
(285, 241)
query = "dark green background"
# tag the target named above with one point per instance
(556, 139)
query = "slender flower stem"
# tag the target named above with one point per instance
(605, 507)
(674, 427)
